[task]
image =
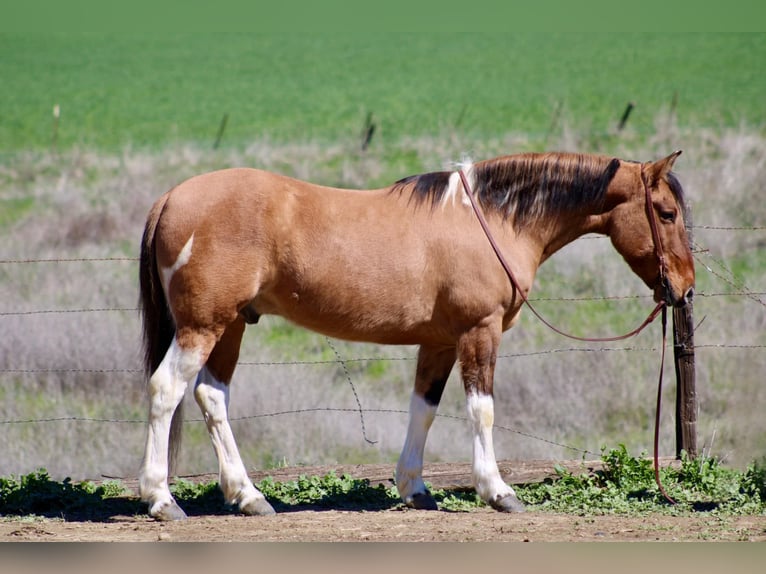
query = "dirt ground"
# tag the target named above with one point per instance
(125, 519)
(484, 525)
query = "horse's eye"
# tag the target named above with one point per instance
(669, 216)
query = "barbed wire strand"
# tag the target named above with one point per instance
(73, 418)
(63, 311)
(735, 282)
(66, 260)
(746, 228)
(730, 227)
(740, 290)
(585, 299)
(353, 389)
(372, 359)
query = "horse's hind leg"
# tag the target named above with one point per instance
(434, 366)
(212, 395)
(179, 367)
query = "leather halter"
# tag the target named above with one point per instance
(651, 216)
(661, 306)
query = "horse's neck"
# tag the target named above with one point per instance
(563, 230)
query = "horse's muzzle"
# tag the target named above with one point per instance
(665, 292)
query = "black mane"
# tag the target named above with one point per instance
(678, 193)
(526, 186)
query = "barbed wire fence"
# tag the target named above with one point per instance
(707, 262)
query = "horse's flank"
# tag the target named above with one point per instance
(279, 243)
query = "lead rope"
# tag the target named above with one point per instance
(657, 410)
(660, 253)
(652, 316)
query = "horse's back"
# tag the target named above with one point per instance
(354, 264)
(225, 194)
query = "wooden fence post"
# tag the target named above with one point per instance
(221, 129)
(625, 116)
(55, 135)
(686, 386)
(368, 131)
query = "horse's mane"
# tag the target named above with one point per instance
(678, 193)
(527, 186)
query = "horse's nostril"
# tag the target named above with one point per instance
(689, 295)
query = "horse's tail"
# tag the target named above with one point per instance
(158, 326)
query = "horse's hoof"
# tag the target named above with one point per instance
(507, 503)
(423, 501)
(257, 507)
(169, 512)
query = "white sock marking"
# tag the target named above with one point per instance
(213, 399)
(486, 476)
(167, 386)
(409, 470)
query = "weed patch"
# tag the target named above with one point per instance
(624, 486)
(329, 491)
(36, 494)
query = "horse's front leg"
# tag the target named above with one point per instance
(434, 366)
(477, 352)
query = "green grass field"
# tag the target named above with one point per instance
(148, 91)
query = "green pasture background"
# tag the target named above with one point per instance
(150, 90)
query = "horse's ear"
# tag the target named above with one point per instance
(660, 168)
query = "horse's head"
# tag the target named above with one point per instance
(652, 238)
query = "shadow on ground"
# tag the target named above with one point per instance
(38, 495)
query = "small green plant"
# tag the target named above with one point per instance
(107, 489)
(328, 491)
(755, 479)
(624, 471)
(36, 494)
(576, 493)
(199, 498)
(627, 484)
(184, 489)
(458, 500)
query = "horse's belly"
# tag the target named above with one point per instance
(354, 318)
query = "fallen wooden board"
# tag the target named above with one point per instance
(447, 475)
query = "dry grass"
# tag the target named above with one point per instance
(88, 205)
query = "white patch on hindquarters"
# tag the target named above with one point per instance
(181, 260)
(409, 470)
(486, 476)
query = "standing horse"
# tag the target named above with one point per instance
(403, 265)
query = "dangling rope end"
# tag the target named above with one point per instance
(660, 306)
(659, 483)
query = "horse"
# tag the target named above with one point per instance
(406, 264)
